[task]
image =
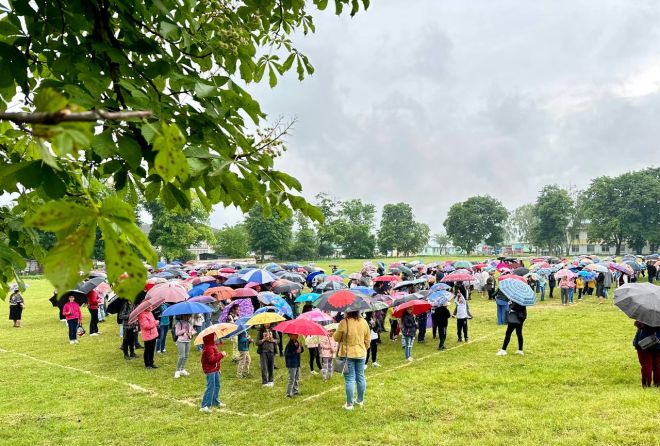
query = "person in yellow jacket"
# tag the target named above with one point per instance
(353, 335)
(579, 286)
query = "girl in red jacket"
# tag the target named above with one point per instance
(73, 315)
(211, 358)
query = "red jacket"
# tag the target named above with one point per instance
(148, 326)
(211, 357)
(72, 311)
(92, 300)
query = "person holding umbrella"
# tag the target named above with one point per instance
(520, 296)
(93, 307)
(129, 330)
(353, 335)
(149, 329)
(16, 305)
(184, 333)
(267, 341)
(408, 331)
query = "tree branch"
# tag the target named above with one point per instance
(48, 118)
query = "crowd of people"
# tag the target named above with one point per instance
(351, 311)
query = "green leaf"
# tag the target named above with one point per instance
(116, 211)
(170, 160)
(205, 90)
(50, 101)
(272, 77)
(53, 184)
(70, 256)
(27, 173)
(149, 131)
(125, 270)
(152, 191)
(57, 215)
(130, 151)
(179, 196)
(103, 145)
(288, 180)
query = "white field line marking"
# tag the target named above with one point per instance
(132, 386)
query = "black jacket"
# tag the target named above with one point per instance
(408, 325)
(516, 314)
(441, 316)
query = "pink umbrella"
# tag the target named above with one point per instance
(169, 292)
(245, 292)
(458, 277)
(145, 305)
(251, 285)
(334, 279)
(316, 316)
(565, 273)
(512, 276)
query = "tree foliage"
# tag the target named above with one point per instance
(233, 241)
(305, 244)
(521, 223)
(552, 211)
(399, 231)
(268, 234)
(180, 63)
(477, 219)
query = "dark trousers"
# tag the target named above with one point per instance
(149, 350)
(491, 294)
(394, 326)
(507, 337)
(434, 327)
(73, 329)
(551, 290)
(373, 349)
(267, 362)
(442, 334)
(128, 343)
(461, 326)
(93, 321)
(579, 293)
(650, 364)
(421, 324)
(162, 337)
(280, 347)
(314, 355)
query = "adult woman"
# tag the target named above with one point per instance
(551, 284)
(515, 318)
(566, 284)
(502, 304)
(354, 338)
(408, 330)
(267, 341)
(149, 329)
(16, 305)
(649, 357)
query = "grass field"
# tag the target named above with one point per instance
(578, 384)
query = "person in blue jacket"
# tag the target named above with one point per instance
(502, 306)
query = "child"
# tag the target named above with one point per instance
(184, 332)
(442, 315)
(244, 360)
(211, 358)
(408, 330)
(579, 285)
(312, 343)
(267, 341)
(163, 328)
(292, 353)
(73, 315)
(328, 347)
(373, 345)
(461, 314)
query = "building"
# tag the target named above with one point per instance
(433, 249)
(581, 245)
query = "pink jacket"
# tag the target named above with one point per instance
(71, 311)
(148, 326)
(328, 347)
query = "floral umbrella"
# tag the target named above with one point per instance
(245, 308)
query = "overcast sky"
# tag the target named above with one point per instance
(431, 102)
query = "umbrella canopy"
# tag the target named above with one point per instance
(388, 278)
(307, 297)
(440, 286)
(245, 308)
(330, 286)
(220, 330)
(202, 299)
(316, 316)
(89, 285)
(145, 305)
(405, 298)
(377, 304)
(114, 304)
(265, 318)
(439, 298)
(259, 276)
(302, 327)
(564, 273)
(355, 276)
(518, 292)
(587, 275)
(364, 290)
(170, 292)
(234, 281)
(187, 308)
(598, 267)
(245, 292)
(242, 326)
(266, 297)
(282, 286)
(634, 265)
(458, 277)
(623, 267)
(221, 292)
(463, 264)
(342, 300)
(198, 290)
(533, 276)
(403, 284)
(418, 307)
(640, 301)
(520, 271)
(282, 306)
(79, 297)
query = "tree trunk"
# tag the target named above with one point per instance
(618, 248)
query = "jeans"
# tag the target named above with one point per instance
(542, 290)
(327, 368)
(571, 292)
(244, 362)
(101, 312)
(184, 349)
(149, 350)
(408, 345)
(210, 397)
(507, 337)
(162, 337)
(128, 342)
(461, 325)
(314, 355)
(580, 293)
(373, 349)
(267, 360)
(564, 296)
(293, 387)
(442, 334)
(355, 375)
(501, 314)
(93, 321)
(73, 329)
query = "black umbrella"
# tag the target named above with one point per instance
(89, 285)
(406, 298)
(403, 284)
(97, 274)
(114, 304)
(520, 271)
(80, 297)
(287, 287)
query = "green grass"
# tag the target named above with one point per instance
(578, 384)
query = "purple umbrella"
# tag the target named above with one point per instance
(245, 308)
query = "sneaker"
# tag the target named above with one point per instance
(76, 341)
(205, 409)
(72, 342)
(177, 374)
(520, 352)
(360, 403)
(459, 340)
(265, 385)
(220, 405)
(271, 384)
(348, 407)
(410, 359)
(94, 334)
(184, 373)
(375, 364)
(366, 367)
(501, 353)
(314, 372)
(442, 348)
(289, 396)
(163, 351)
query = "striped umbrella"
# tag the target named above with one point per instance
(518, 292)
(259, 276)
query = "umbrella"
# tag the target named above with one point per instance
(598, 267)
(463, 264)
(330, 286)
(198, 290)
(187, 308)
(458, 277)
(227, 270)
(282, 286)
(170, 292)
(242, 326)
(234, 281)
(93, 274)
(439, 298)
(534, 276)
(640, 301)
(292, 277)
(403, 284)
(221, 292)
(206, 279)
(145, 305)
(564, 273)
(245, 308)
(587, 275)
(518, 292)
(259, 276)
(266, 297)
(202, 299)
(220, 330)
(364, 290)
(355, 276)
(520, 271)
(406, 298)
(165, 275)
(245, 292)
(404, 270)
(386, 279)
(622, 267)
(302, 327)
(282, 306)
(114, 304)
(89, 285)
(316, 316)
(418, 307)
(265, 318)
(270, 309)
(440, 286)
(160, 265)
(544, 271)
(342, 300)
(307, 297)
(634, 265)
(377, 304)
(79, 297)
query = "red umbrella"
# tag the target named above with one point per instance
(512, 276)
(205, 279)
(222, 292)
(302, 327)
(227, 270)
(334, 279)
(418, 306)
(458, 277)
(245, 292)
(479, 265)
(386, 279)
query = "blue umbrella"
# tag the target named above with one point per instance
(518, 292)
(311, 276)
(364, 290)
(246, 270)
(267, 309)
(160, 265)
(283, 306)
(259, 276)
(187, 308)
(543, 271)
(307, 297)
(440, 287)
(198, 290)
(587, 275)
(240, 322)
(439, 298)
(234, 281)
(267, 297)
(165, 275)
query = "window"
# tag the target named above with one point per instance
(575, 248)
(605, 248)
(590, 249)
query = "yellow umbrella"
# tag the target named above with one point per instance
(265, 318)
(220, 330)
